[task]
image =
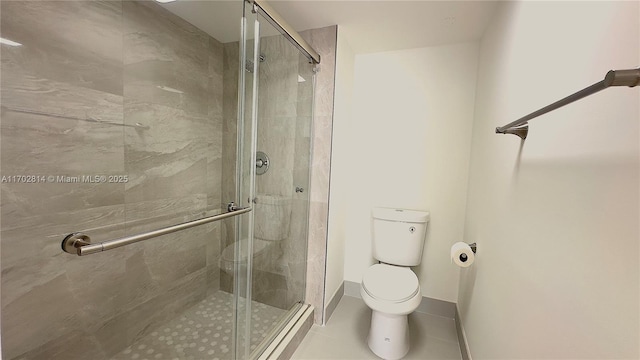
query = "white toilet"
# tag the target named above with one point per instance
(391, 289)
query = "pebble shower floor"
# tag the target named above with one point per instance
(202, 332)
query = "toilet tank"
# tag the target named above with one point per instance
(398, 235)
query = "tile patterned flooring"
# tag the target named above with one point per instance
(344, 336)
(202, 332)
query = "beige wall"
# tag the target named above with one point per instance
(555, 219)
(410, 139)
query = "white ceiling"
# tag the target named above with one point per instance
(368, 25)
(373, 26)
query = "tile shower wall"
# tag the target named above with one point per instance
(324, 41)
(105, 88)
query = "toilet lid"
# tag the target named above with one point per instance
(390, 283)
(258, 247)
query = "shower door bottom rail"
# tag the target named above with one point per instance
(80, 243)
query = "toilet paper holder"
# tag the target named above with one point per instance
(473, 247)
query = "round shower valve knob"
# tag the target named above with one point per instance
(262, 163)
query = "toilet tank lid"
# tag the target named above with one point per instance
(403, 215)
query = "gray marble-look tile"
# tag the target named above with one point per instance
(216, 57)
(270, 289)
(169, 159)
(316, 256)
(213, 252)
(46, 125)
(215, 148)
(272, 217)
(86, 346)
(149, 215)
(74, 42)
(229, 128)
(215, 135)
(216, 78)
(301, 166)
(166, 59)
(28, 94)
(98, 280)
(123, 330)
(321, 166)
(324, 41)
(26, 200)
(279, 128)
(279, 179)
(49, 141)
(214, 184)
(305, 88)
(27, 321)
(172, 257)
(276, 113)
(31, 253)
(295, 247)
(167, 259)
(160, 83)
(278, 78)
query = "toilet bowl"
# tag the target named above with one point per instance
(391, 289)
(392, 292)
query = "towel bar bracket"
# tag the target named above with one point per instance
(521, 131)
(628, 78)
(74, 241)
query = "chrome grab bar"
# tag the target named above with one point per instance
(80, 244)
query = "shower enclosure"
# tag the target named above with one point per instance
(168, 145)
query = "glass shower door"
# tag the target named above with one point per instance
(283, 120)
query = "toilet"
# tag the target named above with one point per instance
(272, 219)
(390, 288)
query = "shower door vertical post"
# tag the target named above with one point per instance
(245, 179)
(252, 182)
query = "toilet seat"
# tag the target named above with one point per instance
(390, 283)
